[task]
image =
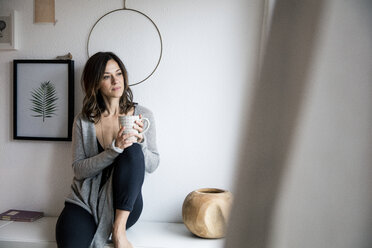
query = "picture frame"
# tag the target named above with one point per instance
(43, 95)
(8, 31)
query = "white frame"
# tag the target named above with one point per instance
(13, 45)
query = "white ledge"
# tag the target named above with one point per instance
(144, 234)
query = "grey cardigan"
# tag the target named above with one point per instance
(88, 163)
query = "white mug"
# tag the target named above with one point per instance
(128, 121)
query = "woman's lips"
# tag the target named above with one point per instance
(116, 88)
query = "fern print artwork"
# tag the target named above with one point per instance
(43, 101)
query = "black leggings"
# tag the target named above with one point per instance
(76, 227)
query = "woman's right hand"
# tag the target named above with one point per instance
(122, 140)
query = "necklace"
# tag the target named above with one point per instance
(103, 138)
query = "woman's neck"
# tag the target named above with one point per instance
(112, 107)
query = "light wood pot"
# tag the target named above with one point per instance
(205, 212)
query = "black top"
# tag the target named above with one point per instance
(106, 171)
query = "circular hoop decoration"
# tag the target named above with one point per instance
(118, 30)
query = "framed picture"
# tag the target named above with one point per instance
(43, 99)
(8, 31)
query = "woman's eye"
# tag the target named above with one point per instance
(106, 77)
(119, 73)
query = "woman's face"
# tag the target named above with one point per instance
(112, 83)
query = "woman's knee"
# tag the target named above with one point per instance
(134, 150)
(132, 155)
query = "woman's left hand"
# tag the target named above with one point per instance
(139, 128)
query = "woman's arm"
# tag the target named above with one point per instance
(149, 148)
(83, 166)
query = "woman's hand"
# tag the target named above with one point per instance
(139, 128)
(123, 140)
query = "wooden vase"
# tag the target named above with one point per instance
(205, 212)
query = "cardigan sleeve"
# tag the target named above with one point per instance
(149, 147)
(83, 165)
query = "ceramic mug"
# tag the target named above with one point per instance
(128, 121)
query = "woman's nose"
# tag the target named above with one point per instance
(115, 80)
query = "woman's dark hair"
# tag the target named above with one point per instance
(93, 104)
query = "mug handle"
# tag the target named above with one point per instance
(147, 126)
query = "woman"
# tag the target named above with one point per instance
(108, 168)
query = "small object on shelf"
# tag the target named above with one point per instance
(205, 212)
(21, 215)
(65, 57)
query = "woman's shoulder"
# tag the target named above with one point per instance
(143, 110)
(80, 118)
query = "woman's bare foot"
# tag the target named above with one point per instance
(121, 241)
(119, 236)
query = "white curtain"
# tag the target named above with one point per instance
(305, 175)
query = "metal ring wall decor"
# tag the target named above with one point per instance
(148, 18)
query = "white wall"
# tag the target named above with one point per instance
(196, 95)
